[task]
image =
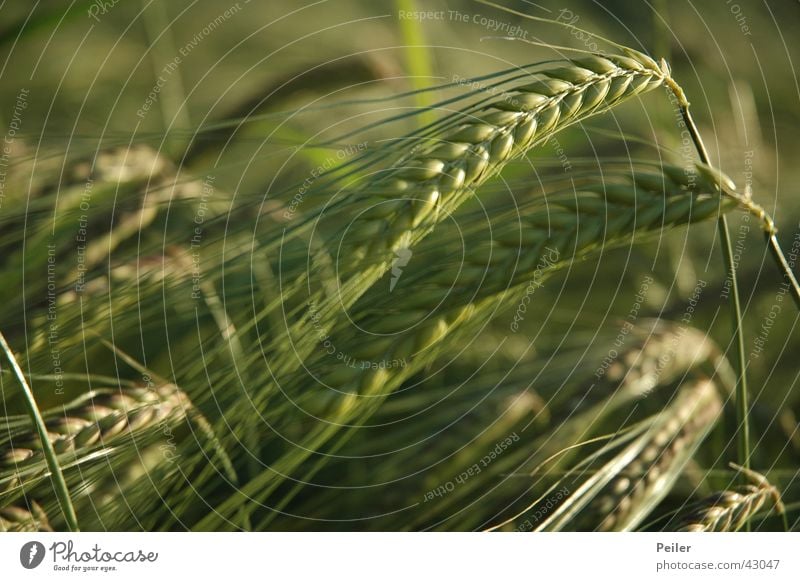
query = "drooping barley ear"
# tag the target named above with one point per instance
(15, 519)
(400, 206)
(87, 427)
(731, 510)
(619, 495)
(657, 354)
(661, 353)
(405, 203)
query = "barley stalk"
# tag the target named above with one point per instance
(574, 224)
(731, 510)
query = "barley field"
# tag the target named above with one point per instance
(407, 265)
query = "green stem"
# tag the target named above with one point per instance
(777, 254)
(744, 201)
(59, 484)
(742, 406)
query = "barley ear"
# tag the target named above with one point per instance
(15, 519)
(628, 487)
(731, 510)
(89, 427)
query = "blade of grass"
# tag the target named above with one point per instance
(417, 58)
(172, 97)
(59, 484)
(742, 406)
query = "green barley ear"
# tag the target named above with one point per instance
(400, 206)
(405, 202)
(731, 510)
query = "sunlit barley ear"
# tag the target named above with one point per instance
(653, 354)
(731, 510)
(88, 428)
(618, 494)
(16, 519)
(399, 207)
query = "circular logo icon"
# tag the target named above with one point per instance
(31, 554)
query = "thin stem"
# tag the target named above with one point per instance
(744, 201)
(60, 485)
(742, 406)
(768, 225)
(777, 254)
